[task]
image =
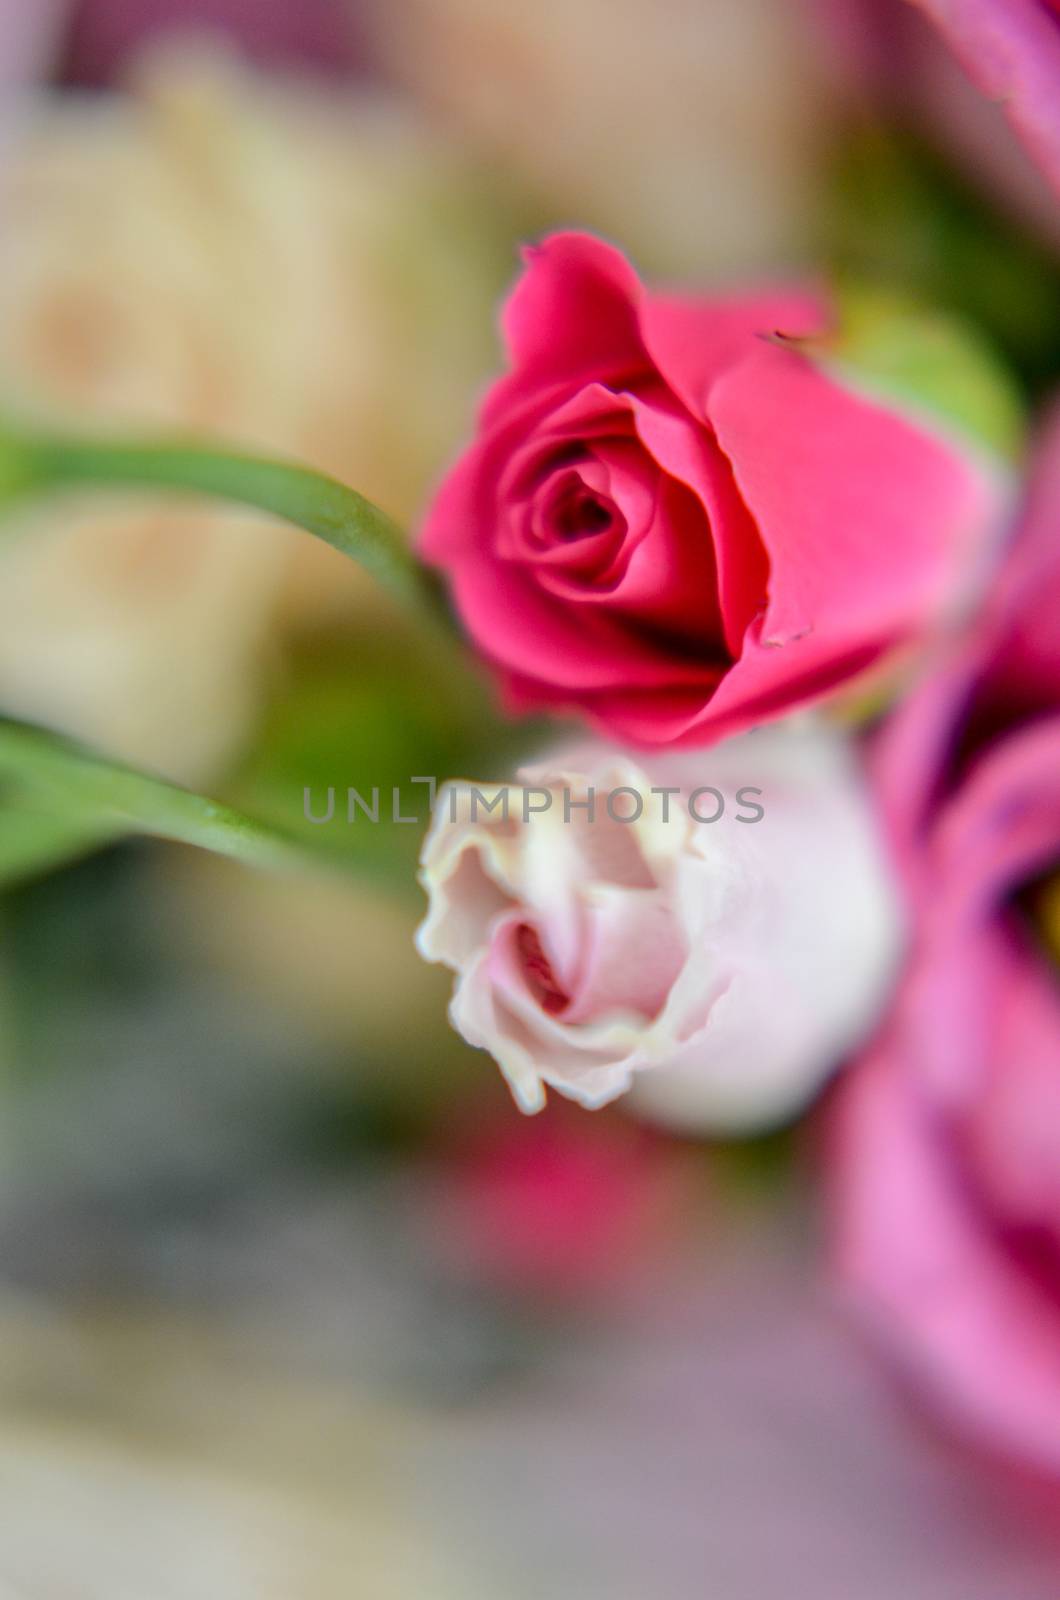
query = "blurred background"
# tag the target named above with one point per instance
(293, 1304)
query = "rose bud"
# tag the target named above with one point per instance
(681, 518)
(718, 933)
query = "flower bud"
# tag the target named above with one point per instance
(714, 932)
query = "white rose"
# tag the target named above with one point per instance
(718, 969)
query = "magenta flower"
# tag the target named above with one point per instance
(948, 1134)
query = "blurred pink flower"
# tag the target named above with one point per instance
(27, 36)
(983, 76)
(947, 1146)
(560, 1205)
(103, 35)
(1011, 50)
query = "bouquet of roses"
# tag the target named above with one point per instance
(781, 584)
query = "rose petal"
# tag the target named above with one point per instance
(572, 314)
(1011, 49)
(694, 341)
(943, 1292)
(518, 625)
(866, 518)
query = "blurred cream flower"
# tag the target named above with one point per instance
(689, 130)
(256, 261)
(715, 941)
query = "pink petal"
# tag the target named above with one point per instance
(690, 454)
(1025, 671)
(519, 626)
(941, 1289)
(694, 340)
(866, 518)
(1004, 825)
(1015, 1138)
(572, 315)
(634, 951)
(1011, 50)
(670, 583)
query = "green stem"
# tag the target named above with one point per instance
(56, 798)
(83, 791)
(311, 500)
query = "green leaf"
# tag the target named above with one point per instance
(35, 464)
(352, 712)
(33, 840)
(895, 212)
(909, 353)
(67, 799)
(906, 354)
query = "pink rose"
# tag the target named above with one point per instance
(712, 934)
(680, 524)
(948, 1135)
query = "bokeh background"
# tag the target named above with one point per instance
(293, 1304)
